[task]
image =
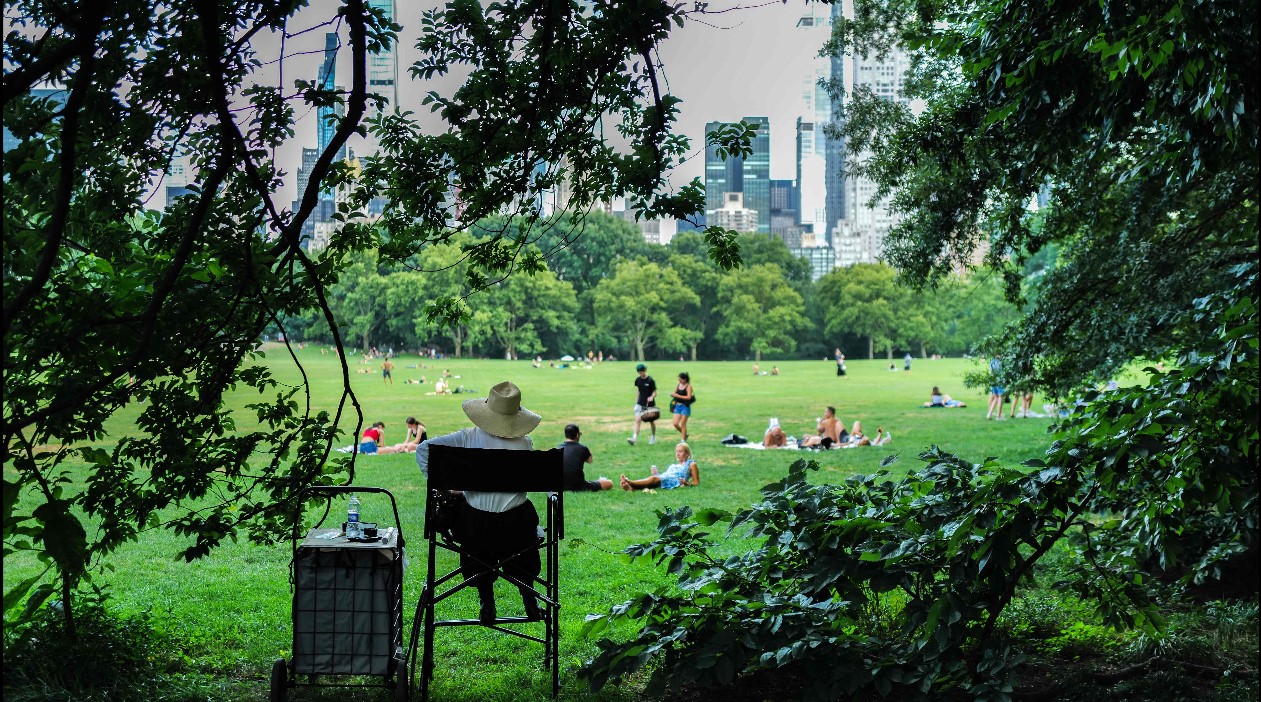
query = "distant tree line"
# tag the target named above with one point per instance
(608, 290)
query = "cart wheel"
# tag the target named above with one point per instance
(279, 681)
(402, 683)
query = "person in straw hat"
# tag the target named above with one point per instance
(498, 524)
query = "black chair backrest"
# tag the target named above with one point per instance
(495, 470)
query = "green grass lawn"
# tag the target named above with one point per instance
(231, 611)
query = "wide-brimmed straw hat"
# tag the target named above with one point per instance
(500, 413)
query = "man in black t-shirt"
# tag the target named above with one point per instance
(646, 388)
(575, 455)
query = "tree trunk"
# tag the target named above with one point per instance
(365, 340)
(871, 348)
(693, 352)
(889, 352)
(67, 608)
(757, 356)
(923, 352)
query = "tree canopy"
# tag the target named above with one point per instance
(1136, 120)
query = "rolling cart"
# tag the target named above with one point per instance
(347, 605)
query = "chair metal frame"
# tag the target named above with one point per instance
(492, 470)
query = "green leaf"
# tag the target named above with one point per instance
(37, 598)
(63, 535)
(707, 517)
(15, 595)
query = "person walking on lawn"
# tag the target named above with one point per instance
(645, 399)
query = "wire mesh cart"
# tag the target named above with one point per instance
(347, 605)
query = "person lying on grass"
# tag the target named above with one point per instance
(940, 399)
(860, 439)
(683, 473)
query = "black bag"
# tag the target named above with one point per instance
(691, 401)
(734, 440)
(448, 508)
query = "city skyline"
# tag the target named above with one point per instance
(710, 67)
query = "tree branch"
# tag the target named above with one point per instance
(84, 45)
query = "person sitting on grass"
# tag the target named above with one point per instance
(830, 431)
(774, 437)
(940, 399)
(415, 434)
(373, 441)
(684, 473)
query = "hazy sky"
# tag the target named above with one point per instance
(750, 62)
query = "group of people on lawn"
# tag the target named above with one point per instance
(498, 525)
(503, 526)
(830, 432)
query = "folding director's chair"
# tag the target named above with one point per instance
(493, 470)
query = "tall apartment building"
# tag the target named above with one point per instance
(328, 116)
(722, 175)
(383, 66)
(749, 176)
(733, 214)
(756, 174)
(820, 155)
(860, 238)
(783, 213)
(179, 175)
(45, 91)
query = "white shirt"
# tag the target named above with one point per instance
(475, 437)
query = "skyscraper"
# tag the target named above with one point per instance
(749, 176)
(383, 66)
(884, 79)
(46, 91)
(820, 157)
(721, 175)
(837, 203)
(327, 80)
(756, 175)
(784, 220)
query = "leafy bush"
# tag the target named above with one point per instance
(108, 658)
(869, 586)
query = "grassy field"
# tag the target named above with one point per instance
(231, 611)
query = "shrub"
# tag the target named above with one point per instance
(110, 657)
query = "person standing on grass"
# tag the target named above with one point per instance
(681, 405)
(497, 525)
(645, 397)
(576, 455)
(996, 390)
(907, 362)
(387, 370)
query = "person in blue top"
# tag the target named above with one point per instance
(685, 473)
(907, 362)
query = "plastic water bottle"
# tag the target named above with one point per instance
(353, 530)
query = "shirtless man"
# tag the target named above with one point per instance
(830, 431)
